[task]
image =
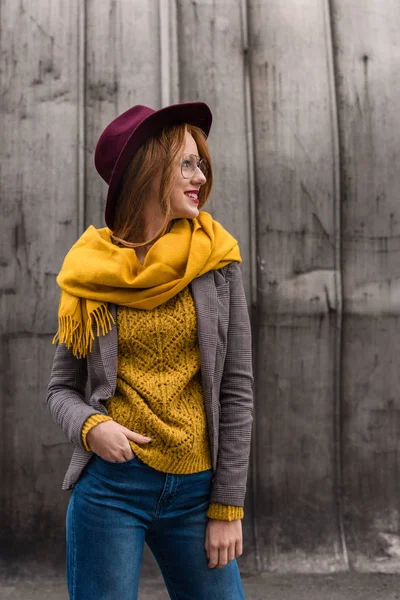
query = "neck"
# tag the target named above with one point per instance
(153, 217)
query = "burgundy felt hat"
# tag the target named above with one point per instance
(125, 134)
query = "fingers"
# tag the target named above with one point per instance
(213, 559)
(135, 437)
(223, 542)
(231, 552)
(127, 452)
(220, 557)
(110, 441)
(112, 458)
(223, 558)
(207, 544)
(121, 454)
(128, 455)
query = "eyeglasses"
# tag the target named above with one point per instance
(191, 162)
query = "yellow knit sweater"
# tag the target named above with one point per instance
(159, 392)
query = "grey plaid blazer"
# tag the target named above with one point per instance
(78, 388)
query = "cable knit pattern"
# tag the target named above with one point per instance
(159, 391)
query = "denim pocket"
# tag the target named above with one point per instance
(116, 464)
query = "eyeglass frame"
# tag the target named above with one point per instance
(199, 161)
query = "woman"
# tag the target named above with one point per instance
(152, 378)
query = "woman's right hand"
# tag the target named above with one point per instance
(110, 441)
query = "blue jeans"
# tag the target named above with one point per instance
(116, 507)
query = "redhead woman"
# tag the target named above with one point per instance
(152, 377)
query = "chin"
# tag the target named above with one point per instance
(190, 213)
(195, 213)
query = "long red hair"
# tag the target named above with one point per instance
(158, 152)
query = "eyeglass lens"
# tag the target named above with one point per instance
(190, 163)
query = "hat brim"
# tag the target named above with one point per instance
(193, 113)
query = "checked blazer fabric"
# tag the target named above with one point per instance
(78, 388)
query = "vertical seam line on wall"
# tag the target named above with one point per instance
(81, 115)
(249, 124)
(250, 152)
(337, 183)
(173, 52)
(164, 24)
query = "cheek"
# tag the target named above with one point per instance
(178, 194)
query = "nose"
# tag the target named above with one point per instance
(198, 176)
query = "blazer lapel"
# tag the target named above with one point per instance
(109, 350)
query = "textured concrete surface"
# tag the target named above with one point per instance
(348, 586)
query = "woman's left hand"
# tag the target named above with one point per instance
(223, 542)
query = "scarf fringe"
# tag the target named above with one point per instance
(73, 335)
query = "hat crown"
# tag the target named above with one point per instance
(114, 138)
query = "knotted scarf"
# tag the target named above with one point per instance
(95, 272)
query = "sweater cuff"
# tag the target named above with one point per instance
(91, 422)
(223, 512)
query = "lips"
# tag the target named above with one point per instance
(193, 195)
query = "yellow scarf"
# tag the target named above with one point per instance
(95, 272)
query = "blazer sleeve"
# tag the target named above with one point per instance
(66, 393)
(236, 400)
